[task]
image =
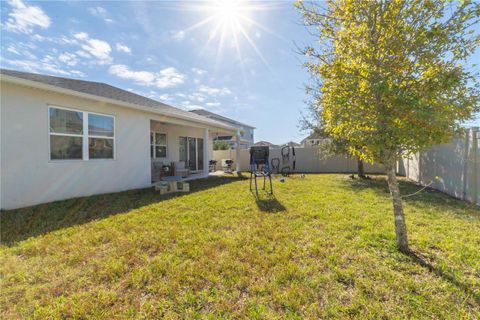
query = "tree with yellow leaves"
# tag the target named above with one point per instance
(391, 77)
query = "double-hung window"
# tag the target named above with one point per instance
(101, 136)
(158, 142)
(80, 135)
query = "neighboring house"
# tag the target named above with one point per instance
(245, 131)
(314, 139)
(265, 144)
(63, 138)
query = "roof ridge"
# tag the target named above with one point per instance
(51, 76)
(108, 91)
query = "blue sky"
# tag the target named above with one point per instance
(172, 52)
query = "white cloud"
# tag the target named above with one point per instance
(198, 71)
(189, 106)
(212, 104)
(165, 78)
(58, 40)
(197, 96)
(214, 91)
(180, 95)
(100, 12)
(81, 36)
(141, 77)
(68, 58)
(166, 97)
(98, 48)
(95, 47)
(170, 77)
(24, 18)
(46, 65)
(13, 49)
(123, 48)
(22, 49)
(177, 35)
(98, 51)
(83, 54)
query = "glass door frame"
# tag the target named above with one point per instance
(198, 162)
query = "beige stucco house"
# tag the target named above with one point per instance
(63, 138)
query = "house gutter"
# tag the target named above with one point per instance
(48, 87)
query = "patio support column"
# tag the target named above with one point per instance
(237, 152)
(206, 152)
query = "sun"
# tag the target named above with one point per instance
(228, 16)
(227, 11)
(230, 22)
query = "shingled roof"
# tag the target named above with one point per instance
(104, 90)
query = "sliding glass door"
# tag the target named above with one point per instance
(191, 151)
(199, 154)
(192, 154)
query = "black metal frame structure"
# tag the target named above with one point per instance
(259, 157)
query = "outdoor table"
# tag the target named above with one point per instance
(173, 184)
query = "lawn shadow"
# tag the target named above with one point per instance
(419, 259)
(268, 203)
(20, 224)
(427, 197)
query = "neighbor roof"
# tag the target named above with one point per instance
(292, 143)
(265, 144)
(313, 135)
(104, 90)
(209, 114)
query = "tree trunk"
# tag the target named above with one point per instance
(360, 169)
(399, 217)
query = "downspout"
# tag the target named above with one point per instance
(237, 152)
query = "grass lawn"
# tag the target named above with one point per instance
(324, 247)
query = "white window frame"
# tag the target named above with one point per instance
(154, 144)
(85, 135)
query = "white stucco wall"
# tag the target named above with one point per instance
(28, 177)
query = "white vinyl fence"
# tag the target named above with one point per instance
(308, 160)
(456, 164)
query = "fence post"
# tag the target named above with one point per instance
(475, 137)
(420, 168)
(465, 165)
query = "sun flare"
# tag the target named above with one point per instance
(227, 11)
(229, 17)
(232, 24)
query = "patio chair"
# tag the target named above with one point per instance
(181, 169)
(259, 157)
(212, 165)
(227, 165)
(157, 167)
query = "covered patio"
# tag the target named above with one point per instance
(183, 148)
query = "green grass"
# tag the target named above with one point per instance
(323, 247)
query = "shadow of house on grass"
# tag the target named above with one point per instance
(20, 224)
